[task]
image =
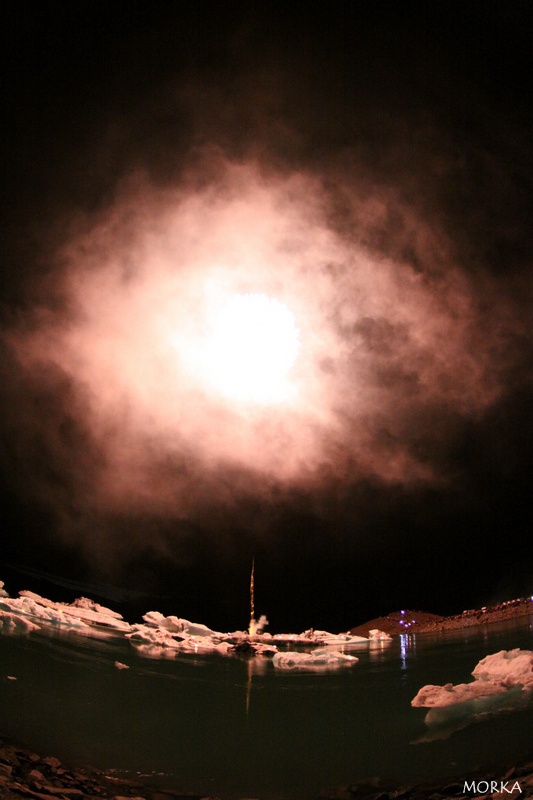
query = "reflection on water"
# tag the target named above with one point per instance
(236, 726)
(404, 649)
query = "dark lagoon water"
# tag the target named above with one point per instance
(237, 727)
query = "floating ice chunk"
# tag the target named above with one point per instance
(27, 606)
(14, 623)
(197, 629)
(495, 674)
(321, 638)
(157, 620)
(176, 625)
(120, 665)
(83, 609)
(85, 602)
(3, 592)
(154, 618)
(317, 660)
(264, 649)
(375, 635)
(513, 667)
(96, 618)
(503, 682)
(72, 615)
(201, 644)
(37, 597)
(252, 646)
(342, 640)
(291, 638)
(155, 641)
(443, 721)
(449, 695)
(145, 634)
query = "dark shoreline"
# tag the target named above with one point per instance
(24, 774)
(402, 622)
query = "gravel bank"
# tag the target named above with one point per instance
(24, 774)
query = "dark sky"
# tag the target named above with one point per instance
(368, 165)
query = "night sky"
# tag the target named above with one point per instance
(366, 166)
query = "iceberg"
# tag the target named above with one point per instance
(251, 646)
(146, 634)
(502, 681)
(14, 623)
(340, 640)
(85, 602)
(317, 660)
(27, 606)
(176, 625)
(154, 619)
(149, 639)
(512, 667)
(82, 614)
(81, 611)
(203, 644)
(291, 638)
(375, 635)
(495, 674)
(318, 638)
(160, 636)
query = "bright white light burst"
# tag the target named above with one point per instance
(252, 345)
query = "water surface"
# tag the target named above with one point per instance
(237, 727)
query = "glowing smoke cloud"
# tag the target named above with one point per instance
(251, 348)
(370, 350)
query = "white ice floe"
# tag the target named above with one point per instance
(154, 619)
(15, 623)
(176, 625)
(204, 644)
(316, 660)
(495, 674)
(343, 640)
(264, 649)
(251, 646)
(3, 592)
(512, 667)
(82, 611)
(503, 682)
(29, 607)
(143, 635)
(147, 634)
(160, 636)
(120, 665)
(318, 638)
(375, 635)
(287, 638)
(85, 602)
(81, 614)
